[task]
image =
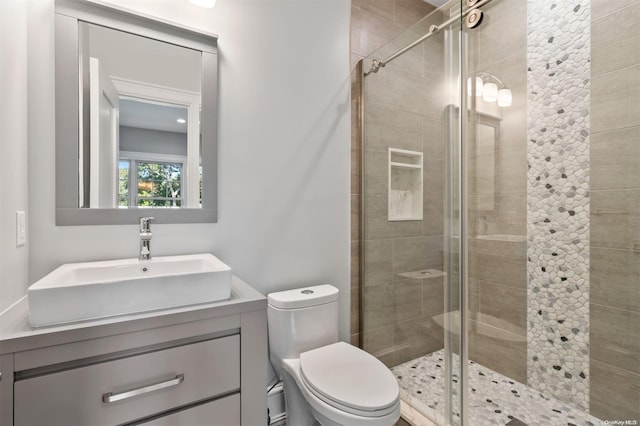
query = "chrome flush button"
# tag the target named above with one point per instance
(307, 292)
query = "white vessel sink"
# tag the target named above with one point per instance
(83, 291)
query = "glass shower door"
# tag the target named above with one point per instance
(410, 293)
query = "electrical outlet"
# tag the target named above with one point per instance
(21, 229)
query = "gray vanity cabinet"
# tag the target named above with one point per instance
(204, 365)
(225, 412)
(132, 388)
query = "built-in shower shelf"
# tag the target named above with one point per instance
(406, 166)
(422, 274)
(405, 185)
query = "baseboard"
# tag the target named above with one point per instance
(275, 403)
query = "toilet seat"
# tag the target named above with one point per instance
(349, 379)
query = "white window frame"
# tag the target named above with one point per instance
(144, 157)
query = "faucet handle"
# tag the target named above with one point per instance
(145, 224)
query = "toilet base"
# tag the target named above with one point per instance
(298, 410)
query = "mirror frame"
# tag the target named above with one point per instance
(68, 15)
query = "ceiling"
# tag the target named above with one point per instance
(154, 116)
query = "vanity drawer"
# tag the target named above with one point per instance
(127, 389)
(222, 412)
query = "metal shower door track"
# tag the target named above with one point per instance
(434, 29)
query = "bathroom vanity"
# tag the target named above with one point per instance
(203, 364)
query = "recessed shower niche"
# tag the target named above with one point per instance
(405, 185)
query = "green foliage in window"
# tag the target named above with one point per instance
(159, 184)
(123, 183)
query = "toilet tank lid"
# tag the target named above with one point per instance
(303, 297)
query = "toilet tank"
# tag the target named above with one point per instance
(300, 320)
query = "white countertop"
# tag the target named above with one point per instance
(17, 335)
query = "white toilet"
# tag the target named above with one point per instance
(327, 381)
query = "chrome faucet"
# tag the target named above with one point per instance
(145, 238)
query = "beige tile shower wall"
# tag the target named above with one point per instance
(404, 109)
(615, 210)
(373, 24)
(376, 22)
(497, 267)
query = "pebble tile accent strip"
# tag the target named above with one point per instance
(558, 57)
(494, 399)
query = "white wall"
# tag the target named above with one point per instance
(13, 148)
(284, 148)
(154, 141)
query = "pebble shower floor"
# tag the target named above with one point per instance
(494, 399)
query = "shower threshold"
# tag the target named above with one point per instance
(494, 399)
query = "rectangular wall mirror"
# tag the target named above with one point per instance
(135, 118)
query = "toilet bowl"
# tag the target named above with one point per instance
(327, 381)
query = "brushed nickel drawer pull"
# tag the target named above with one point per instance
(110, 397)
